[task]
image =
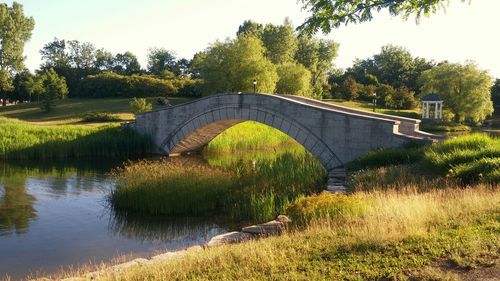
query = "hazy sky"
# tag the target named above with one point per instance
(464, 32)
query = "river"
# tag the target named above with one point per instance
(53, 216)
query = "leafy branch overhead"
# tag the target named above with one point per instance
(328, 14)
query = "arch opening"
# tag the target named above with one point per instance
(198, 131)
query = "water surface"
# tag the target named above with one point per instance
(55, 216)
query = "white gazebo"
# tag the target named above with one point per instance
(432, 102)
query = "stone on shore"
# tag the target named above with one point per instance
(229, 238)
(273, 227)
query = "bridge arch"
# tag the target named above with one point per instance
(198, 131)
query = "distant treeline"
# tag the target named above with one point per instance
(109, 84)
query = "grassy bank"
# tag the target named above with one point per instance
(74, 110)
(437, 235)
(20, 140)
(472, 158)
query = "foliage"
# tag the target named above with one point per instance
(326, 14)
(317, 56)
(125, 64)
(495, 95)
(139, 105)
(232, 66)
(15, 31)
(54, 87)
(92, 117)
(294, 79)
(394, 66)
(19, 140)
(161, 62)
(109, 84)
(280, 42)
(350, 89)
(387, 157)
(444, 127)
(402, 99)
(464, 89)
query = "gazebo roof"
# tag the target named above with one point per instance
(431, 97)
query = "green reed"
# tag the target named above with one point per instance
(20, 140)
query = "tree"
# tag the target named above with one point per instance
(54, 87)
(294, 79)
(161, 61)
(384, 94)
(317, 56)
(71, 59)
(15, 31)
(350, 88)
(234, 65)
(280, 42)
(394, 65)
(104, 60)
(126, 64)
(465, 90)
(495, 95)
(328, 14)
(250, 27)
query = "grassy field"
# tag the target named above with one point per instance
(71, 111)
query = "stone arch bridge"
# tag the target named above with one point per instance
(335, 135)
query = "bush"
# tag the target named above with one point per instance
(337, 207)
(140, 105)
(387, 157)
(99, 117)
(109, 84)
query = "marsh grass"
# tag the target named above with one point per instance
(190, 187)
(20, 140)
(395, 236)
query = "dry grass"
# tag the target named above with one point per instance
(397, 235)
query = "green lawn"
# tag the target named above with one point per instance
(368, 106)
(70, 111)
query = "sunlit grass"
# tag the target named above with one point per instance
(384, 235)
(20, 140)
(248, 136)
(72, 110)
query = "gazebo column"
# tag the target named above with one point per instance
(436, 110)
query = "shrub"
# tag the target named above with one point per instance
(109, 84)
(140, 105)
(337, 207)
(99, 117)
(386, 157)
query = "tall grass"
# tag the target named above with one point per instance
(472, 158)
(394, 236)
(20, 140)
(233, 188)
(248, 136)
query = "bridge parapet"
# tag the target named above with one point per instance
(333, 136)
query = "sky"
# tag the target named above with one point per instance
(466, 31)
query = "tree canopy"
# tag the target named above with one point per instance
(394, 66)
(465, 90)
(15, 31)
(328, 14)
(233, 65)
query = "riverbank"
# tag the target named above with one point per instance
(437, 235)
